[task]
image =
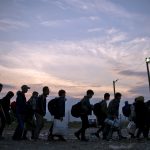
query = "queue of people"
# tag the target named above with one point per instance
(30, 114)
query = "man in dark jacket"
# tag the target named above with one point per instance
(86, 110)
(141, 112)
(4, 111)
(21, 109)
(40, 111)
(103, 113)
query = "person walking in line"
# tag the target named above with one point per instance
(30, 118)
(86, 109)
(21, 110)
(33, 100)
(59, 114)
(1, 87)
(113, 114)
(103, 114)
(141, 112)
(40, 111)
(4, 112)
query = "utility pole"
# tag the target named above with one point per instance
(114, 86)
(148, 74)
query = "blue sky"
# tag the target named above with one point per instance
(75, 45)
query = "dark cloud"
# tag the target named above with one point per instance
(142, 74)
(141, 90)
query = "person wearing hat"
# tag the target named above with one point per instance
(21, 109)
(141, 116)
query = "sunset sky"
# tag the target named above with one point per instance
(75, 45)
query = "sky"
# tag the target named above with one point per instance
(75, 45)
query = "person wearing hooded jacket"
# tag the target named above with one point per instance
(21, 109)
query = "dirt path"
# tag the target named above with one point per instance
(72, 143)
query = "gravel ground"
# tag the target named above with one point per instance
(72, 143)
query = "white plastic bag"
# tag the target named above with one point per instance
(60, 127)
(114, 123)
(131, 128)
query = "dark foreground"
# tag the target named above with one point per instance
(72, 143)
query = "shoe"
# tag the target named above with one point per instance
(133, 137)
(97, 135)
(84, 139)
(16, 139)
(62, 139)
(122, 137)
(1, 138)
(24, 138)
(77, 135)
(50, 138)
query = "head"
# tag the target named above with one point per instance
(118, 96)
(24, 88)
(89, 93)
(106, 96)
(35, 94)
(46, 91)
(139, 99)
(62, 93)
(1, 87)
(126, 103)
(10, 94)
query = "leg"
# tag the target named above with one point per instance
(19, 129)
(50, 134)
(39, 125)
(85, 125)
(3, 123)
(106, 131)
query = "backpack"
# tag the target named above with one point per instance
(52, 106)
(76, 110)
(126, 110)
(13, 107)
(97, 109)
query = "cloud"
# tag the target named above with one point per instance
(69, 22)
(133, 73)
(95, 30)
(75, 65)
(6, 24)
(140, 90)
(104, 6)
(55, 23)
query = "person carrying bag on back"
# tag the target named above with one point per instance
(102, 113)
(58, 127)
(86, 109)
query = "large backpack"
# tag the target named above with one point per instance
(13, 107)
(76, 110)
(126, 110)
(97, 109)
(52, 106)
